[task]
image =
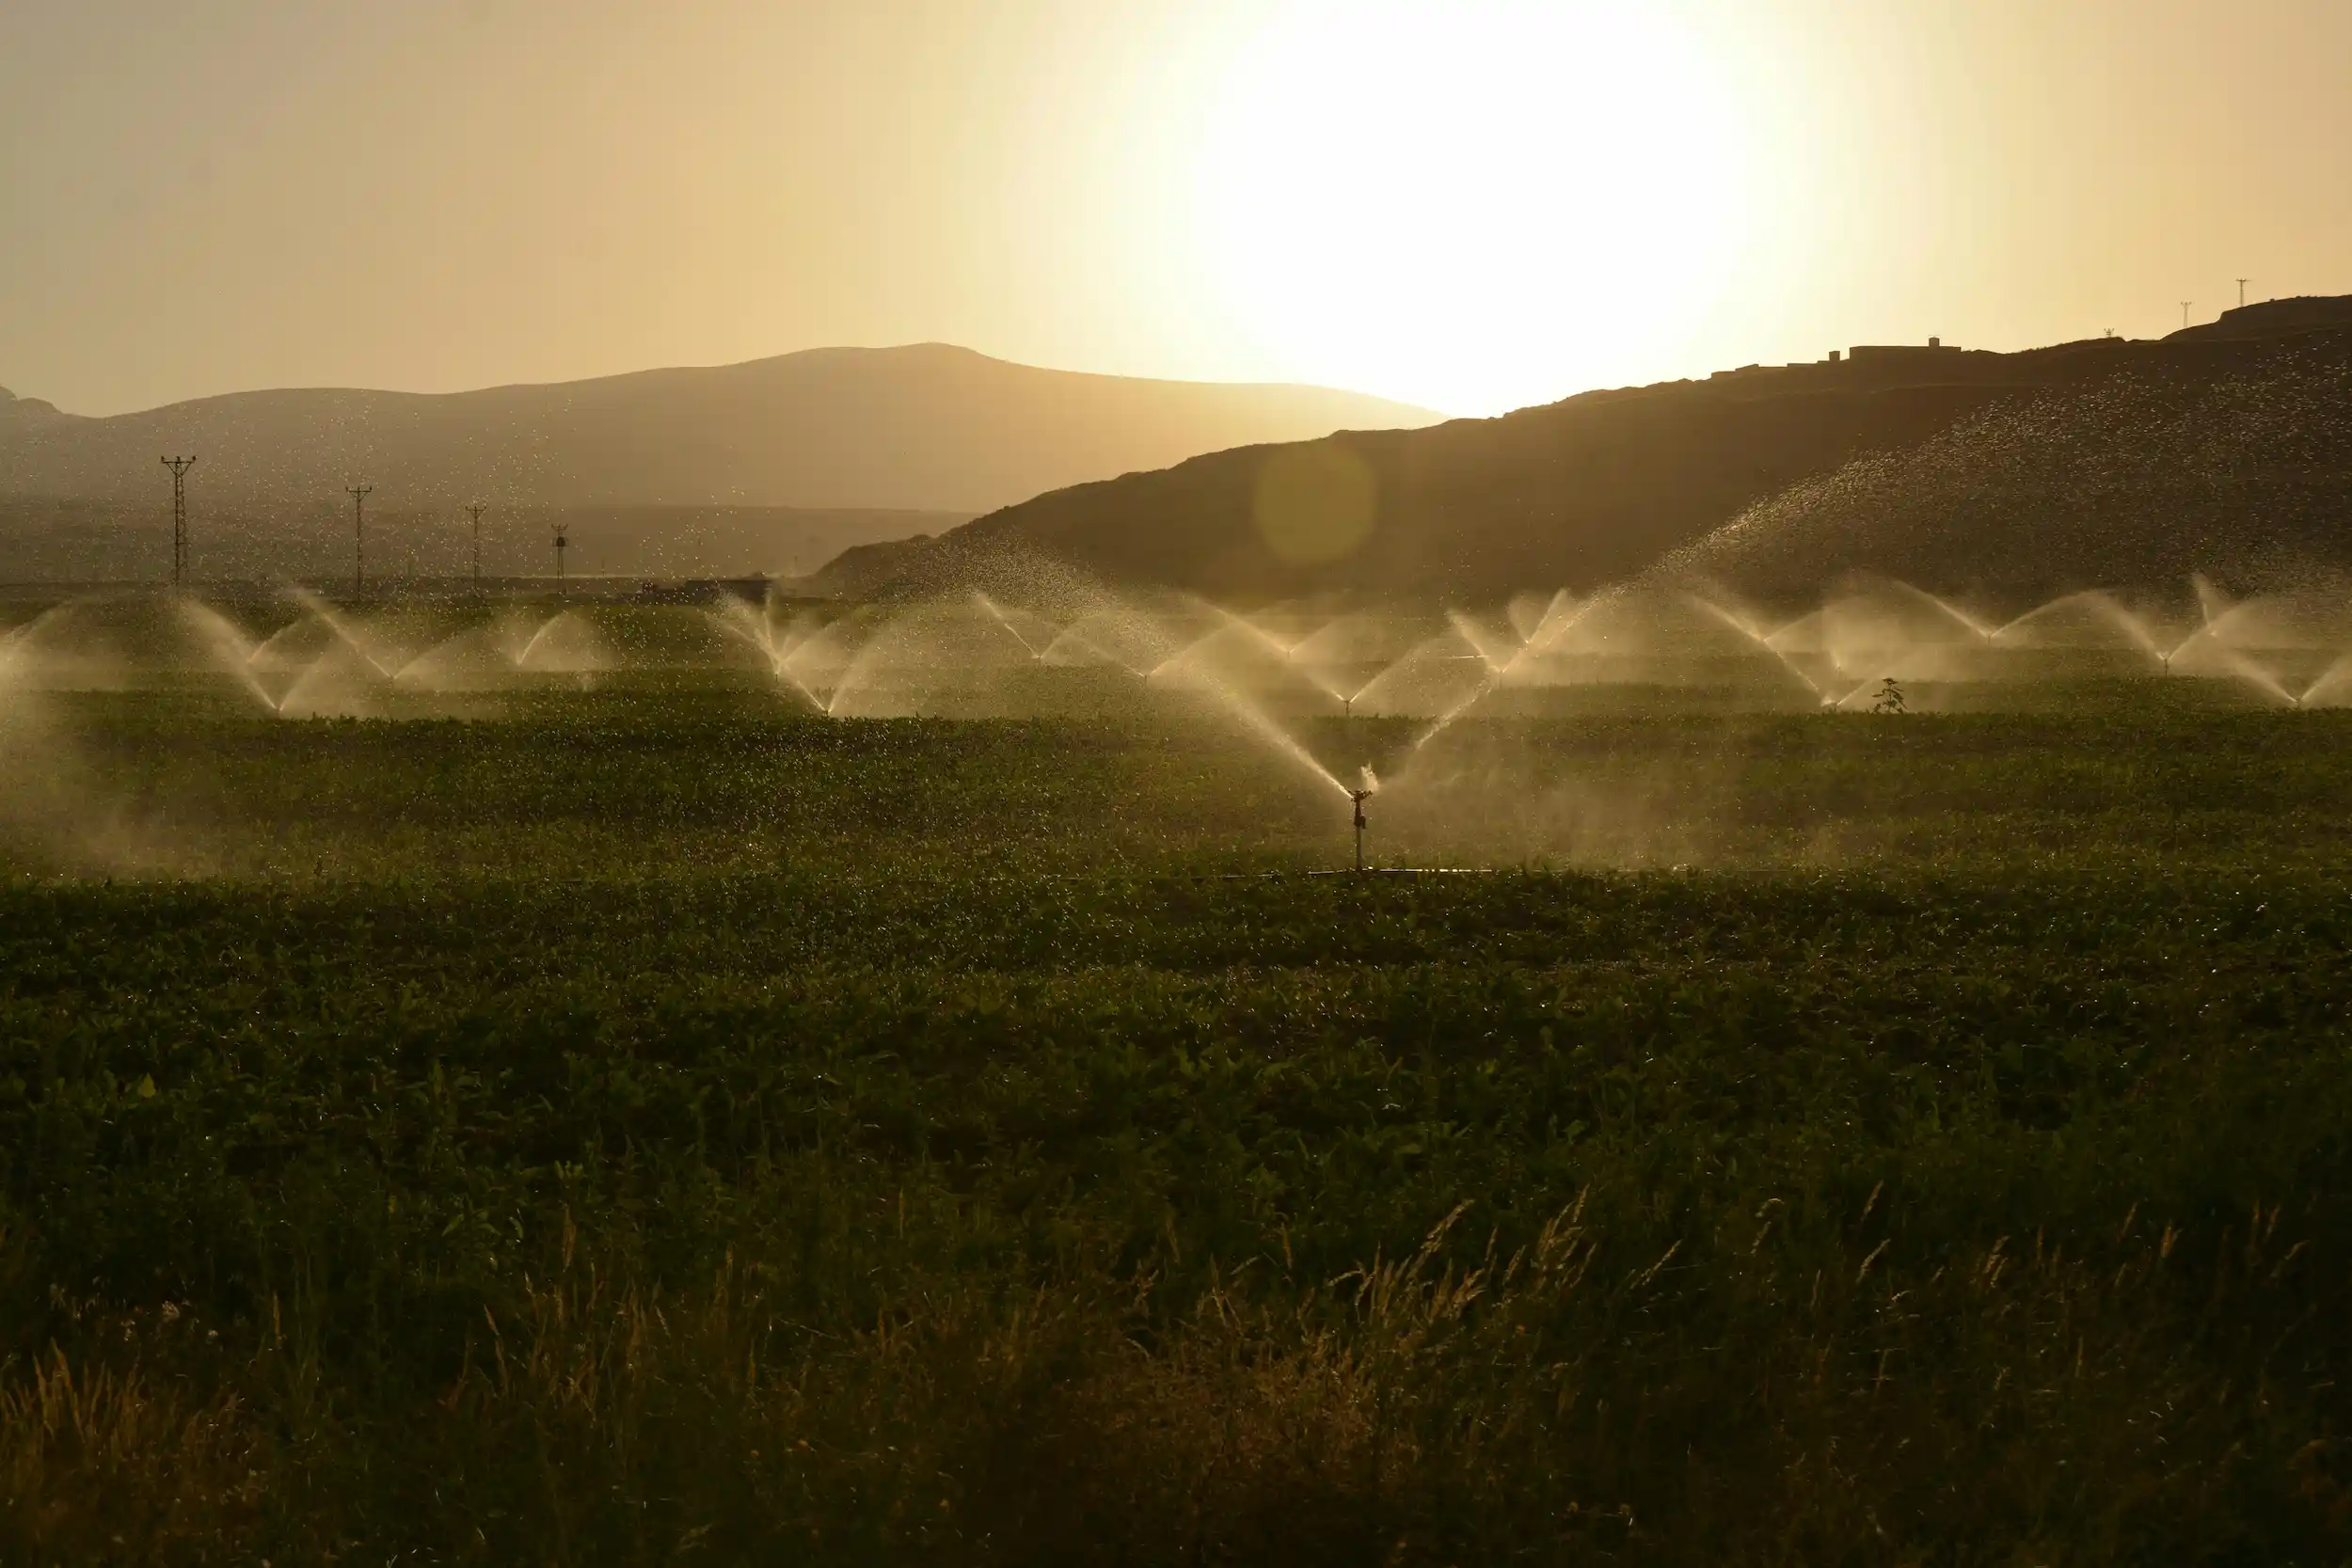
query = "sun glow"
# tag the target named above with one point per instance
(1475, 203)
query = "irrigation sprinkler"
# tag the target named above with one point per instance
(1358, 797)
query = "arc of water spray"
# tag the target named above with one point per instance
(1549, 631)
(1477, 636)
(1762, 640)
(1249, 713)
(13, 646)
(1287, 652)
(15, 639)
(2255, 675)
(531, 646)
(1181, 656)
(1336, 630)
(851, 660)
(1074, 636)
(231, 648)
(1943, 606)
(2338, 671)
(857, 667)
(784, 668)
(738, 620)
(813, 656)
(1839, 705)
(2104, 605)
(1423, 655)
(2232, 660)
(334, 622)
(1006, 621)
(2208, 595)
(1273, 734)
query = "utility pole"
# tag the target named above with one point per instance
(2184, 305)
(2241, 292)
(179, 467)
(359, 493)
(477, 509)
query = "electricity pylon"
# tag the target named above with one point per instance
(359, 493)
(179, 467)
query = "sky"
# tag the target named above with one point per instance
(1472, 205)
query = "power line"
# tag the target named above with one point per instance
(179, 467)
(359, 493)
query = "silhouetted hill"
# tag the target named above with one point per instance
(2016, 454)
(2141, 477)
(927, 428)
(2273, 318)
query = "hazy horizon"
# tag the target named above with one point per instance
(809, 350)
(1467, 207)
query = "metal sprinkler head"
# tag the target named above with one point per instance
(1368, 785)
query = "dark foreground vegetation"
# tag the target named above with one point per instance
(655, 1137)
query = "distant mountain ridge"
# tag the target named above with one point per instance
(926, 428)
(1610, 484)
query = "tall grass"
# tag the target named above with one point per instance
(2011, 1403)
(984, 1208)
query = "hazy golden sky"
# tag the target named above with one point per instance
(1472, 204)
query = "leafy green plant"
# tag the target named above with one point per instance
(646, 1133)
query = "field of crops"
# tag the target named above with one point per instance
(658, 1127)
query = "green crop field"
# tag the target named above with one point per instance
(650, 1125)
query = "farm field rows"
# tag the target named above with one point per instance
(652, 1127)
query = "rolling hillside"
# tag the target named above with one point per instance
(924, 429)
(914, 439)
(2139, 478)
(2100, 460)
